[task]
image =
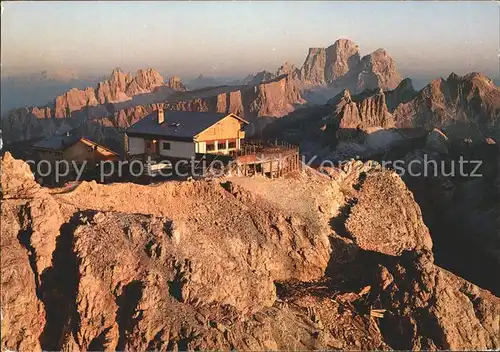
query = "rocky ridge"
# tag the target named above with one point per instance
(328, 65)
(339, 66)
(467, 106)
(103, 122)
(117, 88)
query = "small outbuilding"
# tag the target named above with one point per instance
(71, 146)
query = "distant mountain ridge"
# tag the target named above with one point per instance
(118, 87)
(340, 66)
(373, 93)
(122, 100)
(472, 100)
(465, 108)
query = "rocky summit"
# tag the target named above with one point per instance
(340, 65)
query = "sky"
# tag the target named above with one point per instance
(237, 38)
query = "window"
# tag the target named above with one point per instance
(166, 145)
(210, 147)
(232, 145)
(221, 144)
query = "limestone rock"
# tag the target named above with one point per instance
(473, 100)
(175, 83)
(377, 70)
(274, 98)
(385, 217)
(342, 58)
(22, 313)
(340, 66)
(313, 68)
(288, 69)
(417, 285)
(259, 77)
(74, 99)
(403, 93)
(194, 265)
(17, 179)
(360, 112)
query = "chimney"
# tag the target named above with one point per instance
(161, 116)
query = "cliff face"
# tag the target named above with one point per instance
(288, 69)
(403, 93)
(74, 99)
(113, 89)
(25, 124)
(339, 66)
(377, 70)
(167, 272)
(342, 58)
(122, 87)
(313, 69)
(258, 78)
(473, 98)
(274, 98)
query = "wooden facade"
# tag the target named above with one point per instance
(222, 137)
(83, 150)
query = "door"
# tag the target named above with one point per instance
(152, 147)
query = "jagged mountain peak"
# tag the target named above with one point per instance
(378, 69)
(480, 80)
(117, 73)
(344, 43)
(288, 69)
(379, 52)
(175, 83)
(340, 65)
(453, 77)
(315, 50)
(344, 96)
(406, 84)
(116, 70)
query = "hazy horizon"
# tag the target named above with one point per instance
(233, 39)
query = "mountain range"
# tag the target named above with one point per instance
(353, 256)
(368, 89)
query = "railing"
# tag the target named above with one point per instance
(253, 147)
